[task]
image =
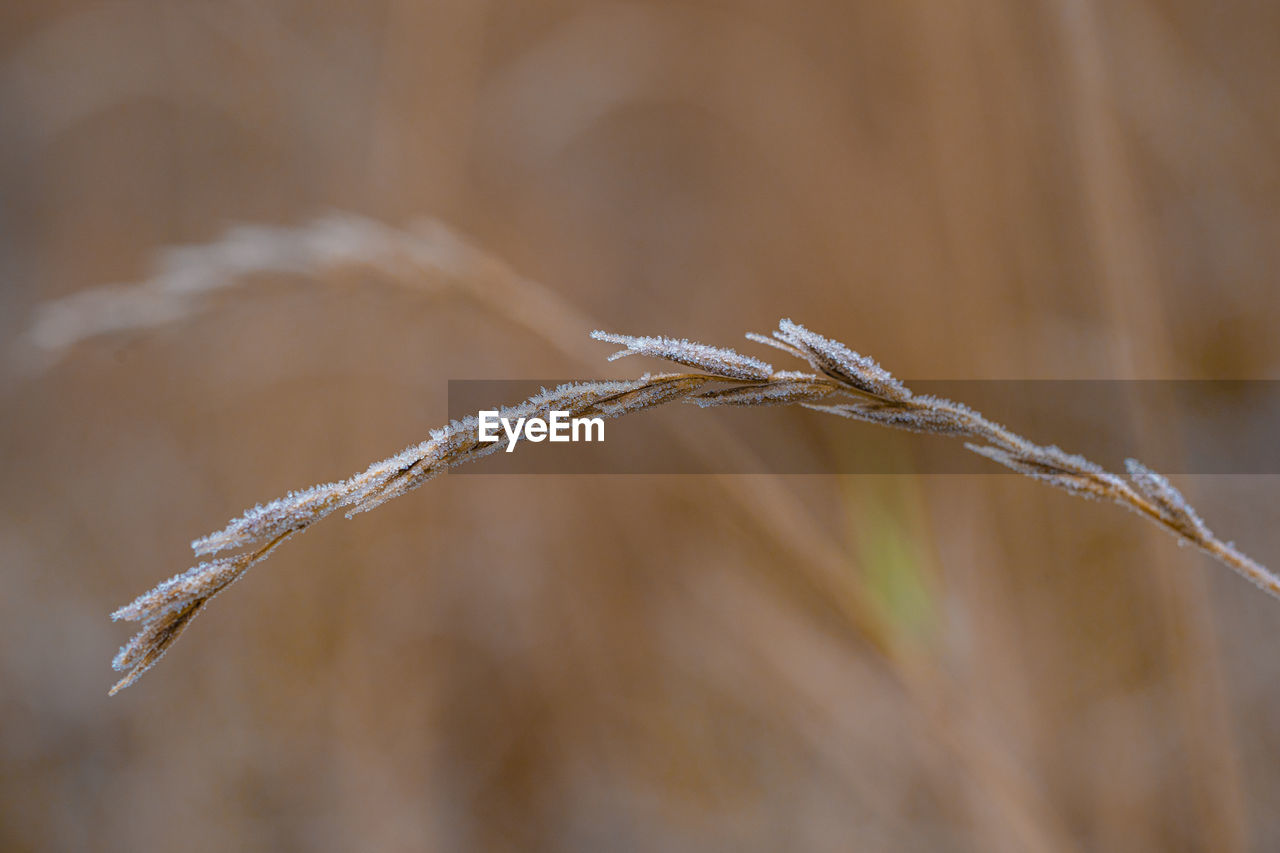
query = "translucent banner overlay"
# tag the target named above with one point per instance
(1173, 426)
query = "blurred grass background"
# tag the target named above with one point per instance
(1057, 189)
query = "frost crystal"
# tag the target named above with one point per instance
(716, 360)
(199, 581)
(776, 393)
(1161, 492)
(838, 361)
(269, 520)
(1070, 473)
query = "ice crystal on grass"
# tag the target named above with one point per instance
(1162, 493)
(377, 475)
(716, 360)
(912, 418)
(146, 648)
(1083, 480)
(202, 581)
(782, 392)
(658, 390)
(267, 521)
(839, 362)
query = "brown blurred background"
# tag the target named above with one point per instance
(1055, 189)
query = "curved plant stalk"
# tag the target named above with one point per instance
(843, 383)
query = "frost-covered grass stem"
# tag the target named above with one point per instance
(844, 383)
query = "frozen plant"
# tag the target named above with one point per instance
(846, 384)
